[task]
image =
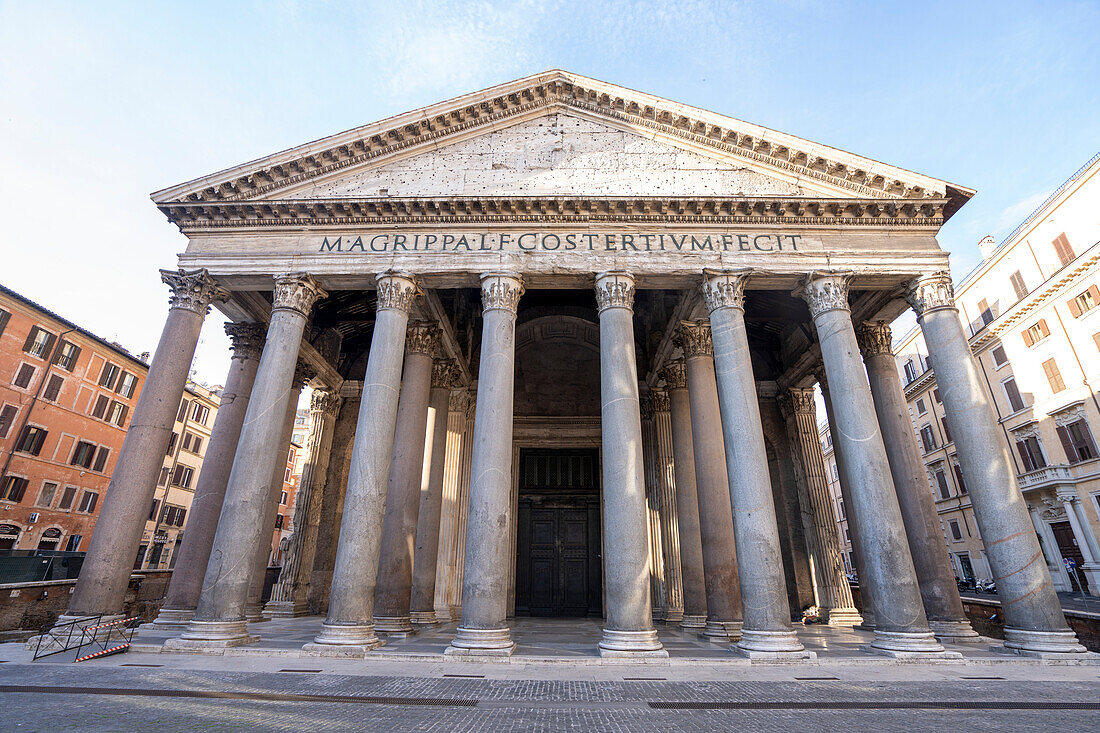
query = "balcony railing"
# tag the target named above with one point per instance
(1048, 476)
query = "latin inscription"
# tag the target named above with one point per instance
(629, 242)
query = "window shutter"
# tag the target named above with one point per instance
(180, 517)
(1074, 307)
(1067, 444)
(4, 317)
(100, 407)
(1063, 249)
(101, 458)
(1043, 327)
(18, 490)
(74, 358)
(1028, 340)
(30, 339)
(1095, 293)
(1025, 455)
(183, 412)
(48, 348)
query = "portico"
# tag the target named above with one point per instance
(494, 285)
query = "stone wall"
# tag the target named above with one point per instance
(31, 606)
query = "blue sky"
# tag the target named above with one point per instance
(103, 103)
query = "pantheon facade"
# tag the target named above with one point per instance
(563, 339)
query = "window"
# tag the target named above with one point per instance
(13, 488)
(910, 371)
(24, 376)
(1053, 376)
(182, 414)
(286, 476)
(192, 442)
(108, 376)
(100, 410)
(921, 407)
(936, 396)
(946, 430)
(4, 316)
(116, 415)
(73, 545)
(278, 521)
(31, 439)
(959, 478)
(67, 356)
(164, 474)
(840, 511)
(200, 413)
(174, 515)
(1077, 441)
(1013, 394)
(1063, 249)
(927, 439)
(7, 419)
(941, 484)
(39, 342)
(101, 458)
(999, 356)
(153, 510)
(986, 312)
(956, 533)
(83, 454)
(127, 383)
(88, 501)
(182, 477)
(67, 497)
(282, 498)
(1085, 301)
(1036, 333)
(172, 443)
(1031, 453)
(53, 388)
(1019, 285)
(46, 494)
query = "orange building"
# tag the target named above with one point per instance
(66, 397)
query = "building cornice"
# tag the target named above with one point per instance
(705, 210)
(427, 128)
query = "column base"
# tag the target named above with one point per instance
(771, 646)
(169, 619)
(674, 616)
(1044, 644)
(424, 618)
(908, 645)
(211, 637)
(286, 609)
(955, 632)
(343, 640)
(631, 644)
(254, 613)
(693, 623)
(397, 626)
(844, 617)
(724, 631)
(481, 643)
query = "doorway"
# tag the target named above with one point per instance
(1068, 549)
(558, 569)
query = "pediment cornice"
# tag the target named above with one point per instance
(846, 174)
(779, 210)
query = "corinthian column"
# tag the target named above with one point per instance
(766, 632)
(426, 555)
(349, 628)
(290, 597)
(219, 620)
(901, 628)
(653, 509)
(666, 486)
(186, 584)
(628, 631)
(834, 593)
(940, 593)
(110, 558)
(452, 521)
(1034, 622)
(484, 626)
(712, 484)
(392, 596)
(687, 499)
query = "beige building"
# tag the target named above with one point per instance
(832, 475)
(166, 525)
(1030, 312)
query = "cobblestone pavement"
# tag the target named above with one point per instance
(57, 697)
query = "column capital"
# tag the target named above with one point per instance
(501, 291)
(615, 289)
(444, 374)
(931, 292)
(1067, 495)
(675, 375)
(325, 401)
(724, 289)
(248, 339)
(800, 401)
(303, 373)
(645, 405)
(660, 400)
(875, 338)
(296, 292)
(825, 291)
(459, 401)
(422, 337)
(396, 291)
(694, 338)
(192, 290)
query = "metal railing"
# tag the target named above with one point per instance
(104, 638)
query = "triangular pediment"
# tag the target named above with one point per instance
(560, 134)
